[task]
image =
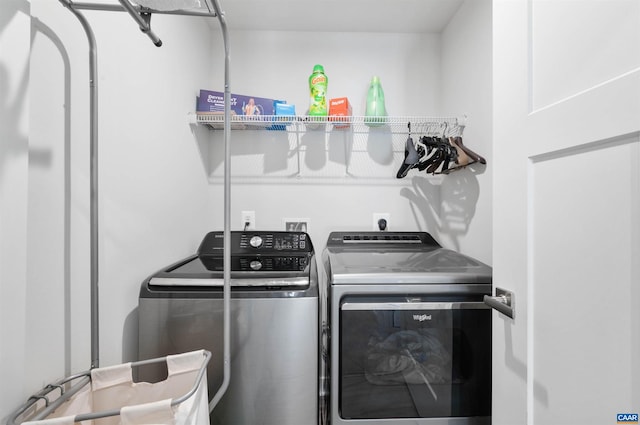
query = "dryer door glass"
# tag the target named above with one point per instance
(414, 358)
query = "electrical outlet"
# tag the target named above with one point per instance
(296, 224)
(375, 224)
(248, 217)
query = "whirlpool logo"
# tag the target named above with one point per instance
(627, 418)
(421, 317)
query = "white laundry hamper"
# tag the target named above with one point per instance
(111, 397)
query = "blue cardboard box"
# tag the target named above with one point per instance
(284, 114)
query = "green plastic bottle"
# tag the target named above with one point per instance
(318, 83)
(375, 111)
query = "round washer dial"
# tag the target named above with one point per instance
(255, 241)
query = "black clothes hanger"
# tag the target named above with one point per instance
(442, 154)
(439, 154)
(465, 155)
(411, 156)
(430, 145)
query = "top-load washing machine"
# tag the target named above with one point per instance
(274, 324)
(410, 335)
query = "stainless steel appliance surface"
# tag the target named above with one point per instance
(274, 324)
(409, 334)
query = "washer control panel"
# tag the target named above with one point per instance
(258, 263)
(284, 241)
(256, 251)
(256, 242)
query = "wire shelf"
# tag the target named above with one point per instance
(449, 126)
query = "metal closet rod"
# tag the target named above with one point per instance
(215, 11)
(227, 210)
(93, 180)
(119, 8)
(141, 15)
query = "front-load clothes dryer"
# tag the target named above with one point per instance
(410, 335)
(274, 324)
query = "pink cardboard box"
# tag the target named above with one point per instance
(340, 107)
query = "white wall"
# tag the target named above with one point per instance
(278, 66)
(466, 221)
(422, 74)
(160, 187)
(152, 180)
(14, 143)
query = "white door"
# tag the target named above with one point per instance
(567, 211)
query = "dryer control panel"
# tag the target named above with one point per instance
(387, 239)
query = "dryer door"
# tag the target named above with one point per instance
(414, 358)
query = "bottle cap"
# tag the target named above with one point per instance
(375, 79)
(318, 68)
